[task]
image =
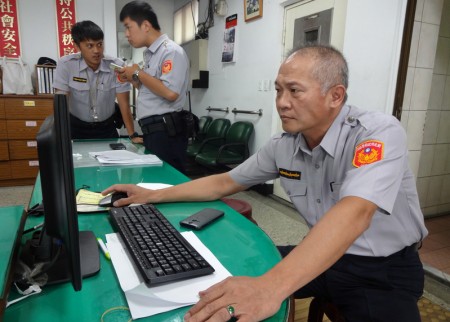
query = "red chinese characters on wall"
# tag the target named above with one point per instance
(9, 29)
(65, 19)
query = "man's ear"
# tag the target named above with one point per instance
(337, 95)
(147, 25)
(77, 47)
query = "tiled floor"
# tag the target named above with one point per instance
(435, 250)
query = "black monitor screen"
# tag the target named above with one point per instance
(64, 253)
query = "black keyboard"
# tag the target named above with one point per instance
(159, 251)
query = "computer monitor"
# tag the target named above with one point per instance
(65, 253)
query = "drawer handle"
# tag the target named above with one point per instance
(31, 123)
(31, 144)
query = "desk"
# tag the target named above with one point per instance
(242, 247)
(12, 221)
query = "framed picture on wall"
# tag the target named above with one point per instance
(253, 9)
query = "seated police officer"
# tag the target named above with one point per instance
(92, 87)
(346, 172)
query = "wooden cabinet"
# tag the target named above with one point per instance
(21, 117)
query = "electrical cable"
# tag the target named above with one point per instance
(117, 308)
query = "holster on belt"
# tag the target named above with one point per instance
(172, 123)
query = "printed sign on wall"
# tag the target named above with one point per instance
(9, 29)
(65, 19)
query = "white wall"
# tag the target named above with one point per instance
(235, 85)
(37, 23)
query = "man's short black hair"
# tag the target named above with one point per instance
(139, 11)
(84, 30)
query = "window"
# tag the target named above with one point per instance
(185, 22)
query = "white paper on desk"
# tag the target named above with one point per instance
(154, 186)
(124, 157)
(145, 301)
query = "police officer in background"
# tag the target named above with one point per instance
(92, 87)
(162, 84)
(346, 172)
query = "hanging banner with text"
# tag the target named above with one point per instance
(65, 19)
(9, 29)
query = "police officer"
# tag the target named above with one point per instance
(92, 87)
(346, 172)
(162, 84)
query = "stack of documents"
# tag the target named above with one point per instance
(145, 301)
(124, 157)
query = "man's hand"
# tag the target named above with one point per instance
(137, 140)
(126, 72)
(251, 298)
(135, 194)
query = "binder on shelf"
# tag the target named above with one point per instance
(44, 78)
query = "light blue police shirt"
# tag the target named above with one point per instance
(363, 154)
(74, 76)
(168, 62)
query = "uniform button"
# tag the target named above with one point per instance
(317, 166)
(318, 200)
(351, 119)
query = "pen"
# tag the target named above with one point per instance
(104, 249)
(33, 228)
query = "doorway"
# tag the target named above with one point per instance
(311, 22)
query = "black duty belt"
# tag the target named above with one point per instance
(414, 248)
(172, 123)
(82, 124)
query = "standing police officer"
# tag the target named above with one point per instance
(92, 87)
(162, 83)
(346, 172)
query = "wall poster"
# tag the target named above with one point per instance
(229, 40)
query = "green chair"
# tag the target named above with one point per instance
(233, 150)
(214, 136)
(203, 124)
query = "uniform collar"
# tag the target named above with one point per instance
(157, 43)
(104, 67)
(329, 141)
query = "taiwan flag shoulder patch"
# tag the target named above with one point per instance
(368, 152)
(166, 66)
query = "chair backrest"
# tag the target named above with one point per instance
(239, 132)
(203, 123)
(218, 128)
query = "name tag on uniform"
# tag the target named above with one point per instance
(79, 79)
(296, 175)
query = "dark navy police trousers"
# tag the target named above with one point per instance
(369, 289)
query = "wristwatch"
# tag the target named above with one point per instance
(135, 75)
(134, 135)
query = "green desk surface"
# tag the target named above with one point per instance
(10, 218)
(242, 247)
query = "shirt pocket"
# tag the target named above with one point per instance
(78, 86)
(79, 93)
(335, 190)
(295, 189)
(107, 85)
(152, 72)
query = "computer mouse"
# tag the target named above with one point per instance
(111, 198)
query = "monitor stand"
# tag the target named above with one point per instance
(59, 270)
